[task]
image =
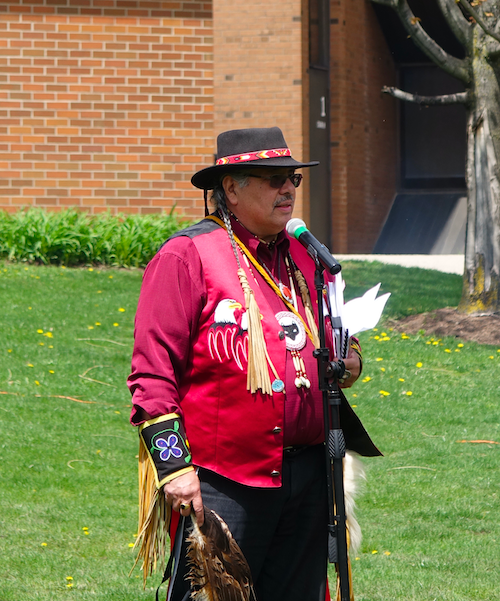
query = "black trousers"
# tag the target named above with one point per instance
(282, 532)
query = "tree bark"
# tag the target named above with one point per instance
(481, 289)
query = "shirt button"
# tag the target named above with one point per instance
(276, 429)
(275, 473)
(281, 335)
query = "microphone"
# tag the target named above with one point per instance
(296, 228)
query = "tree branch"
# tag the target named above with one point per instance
(479, 20)
(457, 22)
(458, 98)
(456, 67)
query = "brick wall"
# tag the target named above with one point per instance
(114, 104)
(259, 69)
(105, 105)
(363, 127)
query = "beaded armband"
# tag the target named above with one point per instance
(356, 347)
(168, 450)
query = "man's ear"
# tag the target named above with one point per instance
(230, 188)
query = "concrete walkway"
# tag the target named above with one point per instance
(445, 263)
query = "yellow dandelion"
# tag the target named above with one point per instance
(91, 269)
(377, 337)
(116, 324)
(44, 544)
(428, 342)
(85, 528)
(387, 553)
(97, 323)
(460, 345)
(491, 357)
(366, 379)
(457, 350)
(447, 350)
(379, 359)
(354, 406)
(384, 392)
(121, 309)
(354, 395)
(50, 346)
(37, 382)
(39, 331)
(69, 577)
(69, 585)
(41, 344)
(409, 393)
(51, 371)
(435, 343)
(131, 545)
(401, 379)
(110, 277)
(382, 369)
(419, 364)
(49, 335)
(374, 552)
(357, 558)
(405, 337)
(90, 327)
(9, 350)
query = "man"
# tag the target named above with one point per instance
(224, 383)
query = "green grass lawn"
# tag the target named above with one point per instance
(68, 471)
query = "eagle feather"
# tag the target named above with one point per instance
(218, 570)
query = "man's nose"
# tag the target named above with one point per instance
(287, 186)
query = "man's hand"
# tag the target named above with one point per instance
(185, 490)
(353, 365)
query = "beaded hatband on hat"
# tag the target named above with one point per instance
(251, 148)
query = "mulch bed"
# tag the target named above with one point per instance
(484, 329)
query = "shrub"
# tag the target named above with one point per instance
(71, 237)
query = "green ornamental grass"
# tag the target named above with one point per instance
(68, 456)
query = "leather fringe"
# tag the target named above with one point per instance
(154, 518)
(258, 373)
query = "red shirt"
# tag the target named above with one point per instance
(172, 297)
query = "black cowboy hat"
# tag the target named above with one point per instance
(247, 148)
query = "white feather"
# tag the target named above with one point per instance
(354, 474)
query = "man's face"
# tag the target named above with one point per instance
(263, 210)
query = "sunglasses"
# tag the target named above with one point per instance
(278, 181)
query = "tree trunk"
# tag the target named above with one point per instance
(481, 287)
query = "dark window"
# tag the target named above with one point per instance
(433, 139)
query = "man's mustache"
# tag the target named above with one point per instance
(283, 200)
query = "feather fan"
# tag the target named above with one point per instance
(218, 568)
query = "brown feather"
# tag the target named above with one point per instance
(218, 568)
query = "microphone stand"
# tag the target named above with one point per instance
(329, 374)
